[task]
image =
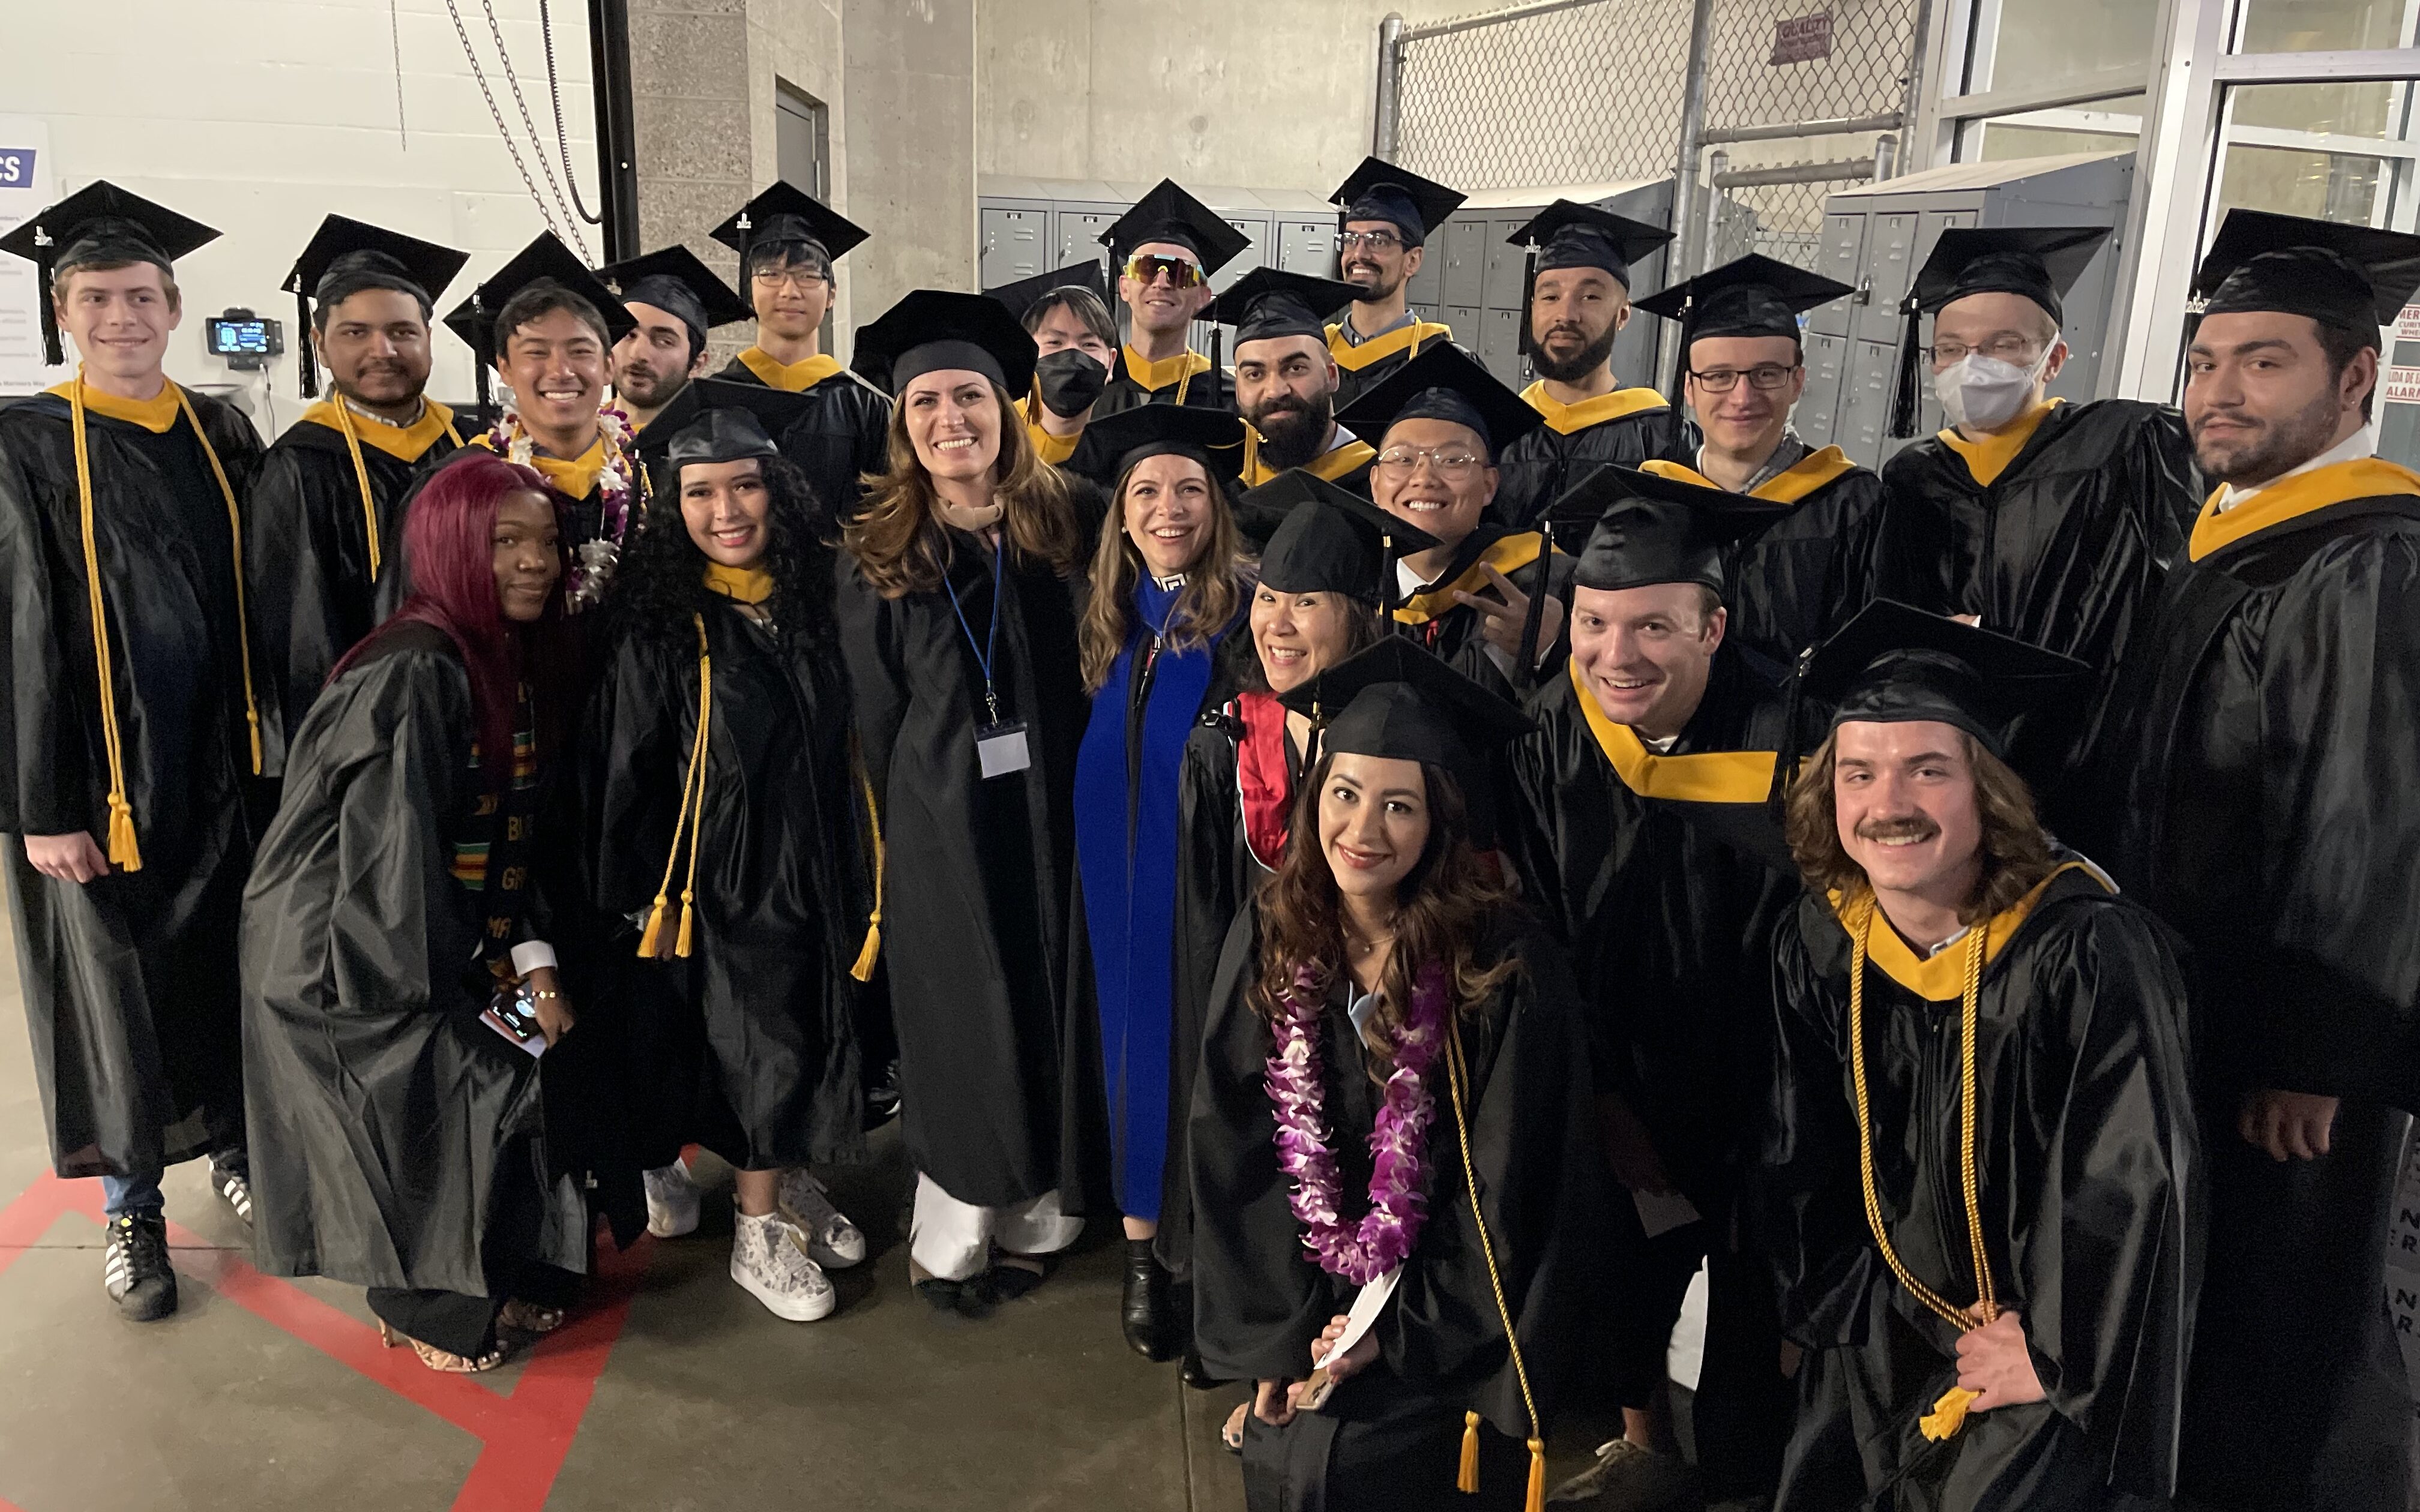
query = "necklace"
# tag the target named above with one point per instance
(593, 563)
(1398, 1140)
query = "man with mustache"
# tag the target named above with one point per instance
(676, 298)
(1285, 381)
(1384, 218)
(1980, 1179)
(1164, 251)
(2271, 821)
(1578, 302)
(1643, 839)
(2047, 521)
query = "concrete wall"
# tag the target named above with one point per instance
(912, 142)
(1272, 94)
(258, 117)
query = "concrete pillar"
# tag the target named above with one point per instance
(911, 147)
(689, 100)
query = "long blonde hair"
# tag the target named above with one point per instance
(897, 538)
(1215, 591)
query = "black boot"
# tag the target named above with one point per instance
(1145, 1309)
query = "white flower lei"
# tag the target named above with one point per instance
(593, 563)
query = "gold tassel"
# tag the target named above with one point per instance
(1947, 1415)
(680, 945)
(690, 816)
(1537, 1499)
(123, 853)
(1467, 1481)
(872, 949)
(870, 952)
(235, 539)
(653, 935)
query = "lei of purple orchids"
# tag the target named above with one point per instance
(1398, 1203)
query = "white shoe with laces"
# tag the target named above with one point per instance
(832, 1238)
(1630, 1478)
(673, 1199)
(768, 1258)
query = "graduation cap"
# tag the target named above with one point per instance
(1892, 664)
(931, 329)
(1023, 295)
(345, 256)
(719, 406)
(1113, 444)
(1168, 213)
(2040, 263)
(1269, 302)
(784, 213)
(99, 222)
(2352, 277)
(1751, 296)
(1397, 700)
(1379, 191)
(677, 281)
(1329, 540)
(1443, 383)
(1650, 528)
(1570, 235)
(544, 260)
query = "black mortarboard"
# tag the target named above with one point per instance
(1570, 235)
(345, 256)
(1168, 213)
(1892, 664)
(1023, 295)
(730, 423)
(1397, 700)
(1329, 540)
(1652, 529)
(99, 222)
(783, 212)
(1443, 383)
(932, 329)
(1751, 296)
(1269, 302)
(1379, 191)
(677, 281)
(545, 259)
(769, 409)
(2349, 276)
(2040, 263)
(1114, 443)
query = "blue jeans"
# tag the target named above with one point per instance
(138, 1195)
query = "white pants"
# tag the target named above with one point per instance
(952, 1239)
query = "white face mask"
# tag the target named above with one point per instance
(1984, 391)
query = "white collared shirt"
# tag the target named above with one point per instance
(2361, 444)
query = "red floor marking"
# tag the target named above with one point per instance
(524, 1435)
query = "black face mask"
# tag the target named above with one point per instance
(1070, 378)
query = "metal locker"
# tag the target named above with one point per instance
(1014, 244)
(1819, 407)
(1498, 341)
(1506, 263)
(1307, 247)
(1843, 257)
(1256, 227)
(1425, 312)
(1466, 264)
(1421, 290)
(1865, 401)
(1079, 235)
(1891, 257)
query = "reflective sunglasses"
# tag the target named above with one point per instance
(1180, 271)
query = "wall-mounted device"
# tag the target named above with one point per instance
(245, 340)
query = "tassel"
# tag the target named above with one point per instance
(1528, 293)
(1680, 391)
(252, 718)
(1466, 1482)
(653, 936)
(306, 357)
(1903, 394)
(1947, 1415)
(46, 277)
(1217, 380)
(1536, 1501)
(1533, 620)
(681, 944)
(872, 949)
(123, 853)
(870, 952)
(487, 405)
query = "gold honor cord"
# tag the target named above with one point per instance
(360, 477)
(872, 949)
(1467, 1480)
(235, 535)
(692, 804)
(1949, 1414)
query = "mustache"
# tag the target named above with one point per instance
(1912, 827)
(1564, 328)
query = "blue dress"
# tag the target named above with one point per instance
(1127, 782)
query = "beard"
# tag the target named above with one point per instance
(2277, 447)
(1370, 285)
(1590, 357)
(644, 387)
(1291, 432)
(382, 383)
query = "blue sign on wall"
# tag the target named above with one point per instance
(16, 167)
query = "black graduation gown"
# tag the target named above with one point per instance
(1361, 368)
(1457, 633)
(2064, 548)
(997, 1048)
(583, 522)
(748, 1045)
(2272, 823)
(1538, 468)
(129, 980)
(1794, 583)
(397, 1138)
(307, 549)
(1130, 384)
(2087, 1161)
(844, 435)
(1390, 1436)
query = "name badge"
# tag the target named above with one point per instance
(1001, 747)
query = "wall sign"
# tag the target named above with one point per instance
(1802, 38)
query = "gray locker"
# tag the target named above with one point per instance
(1843, 260)
(1466, 264)
(1890, 242)
(1866, 398)
(1079, 234)
(1498, 341)
(1819, 406)
(1307, 247)
(1016, 243)
(1506, 266)
(1421, 290)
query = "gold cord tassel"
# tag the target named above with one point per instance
(1467, 1480)
(235, 535)
(361, 477)
(1536, 1500)
(872, 949)
(692, 804)
(123, 851)
(1949, 1414)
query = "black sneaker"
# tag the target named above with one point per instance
(234, 1188)
(134, 1266)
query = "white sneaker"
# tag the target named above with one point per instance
(768, 1256)
(673, 1200)
(1629, 1477)
(832, 1238)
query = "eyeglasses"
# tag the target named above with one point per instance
(1368, 241)
(1145, 270)
(2017, 351)
(1764, 376)
(797, 279)
(1451, 464)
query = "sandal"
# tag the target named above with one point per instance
(529, 1318)
(439, 1360)
(1232, 1434)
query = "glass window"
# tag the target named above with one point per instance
(2324, 25)
(2102, 126)
(2020, 42)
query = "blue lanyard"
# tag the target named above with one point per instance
(983, 653)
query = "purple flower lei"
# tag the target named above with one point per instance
(1398, 1204)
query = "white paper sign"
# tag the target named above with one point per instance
(28, 175)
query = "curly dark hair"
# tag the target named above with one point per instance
(660, 580)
